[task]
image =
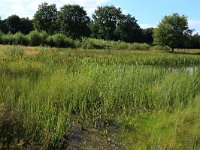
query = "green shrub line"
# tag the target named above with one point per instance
(60, 40)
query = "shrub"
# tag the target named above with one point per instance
(7, 39)
(35, 38)
(44, 37)
(20, 39)
(60, 40)
(77, 43)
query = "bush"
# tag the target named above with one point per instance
(60, 40)
(44, 37)
(77, 43)
(7, 39)
(20, 39)
(35, 38)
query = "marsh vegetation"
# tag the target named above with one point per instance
(129, 98)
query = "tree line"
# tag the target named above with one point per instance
(107, 22)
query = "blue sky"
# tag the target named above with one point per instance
(148, 12)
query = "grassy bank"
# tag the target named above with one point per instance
(143, 99)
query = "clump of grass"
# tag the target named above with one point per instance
(14, 52)
(21, 67)
(164, 48)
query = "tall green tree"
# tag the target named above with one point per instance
(26, 25)
(148, 35)
(45, 18)
(73, 21)
(4, 26)
(13, 23)
(172, 31)
(104, 23)
(193, 41)
(110, 23)
(128, 30)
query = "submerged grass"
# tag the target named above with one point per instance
(153, 107)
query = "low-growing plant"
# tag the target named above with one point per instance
(14, 52)
(139, 46)
(11, 128)
(22, 67)
(164, 48)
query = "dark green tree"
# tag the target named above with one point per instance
(148, 35)
(73, 21)
(45, 18)
(13, 23)
(172, 31)
(193, 41)
(4, 26)
(104, 23)
(128, 30)
(26, 25)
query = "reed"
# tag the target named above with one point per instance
(152, 96)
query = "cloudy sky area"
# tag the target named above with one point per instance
(148, 13)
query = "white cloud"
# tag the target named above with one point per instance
(145, 26)
(27, 8)
(193, 22)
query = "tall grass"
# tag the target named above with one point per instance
(42, 96)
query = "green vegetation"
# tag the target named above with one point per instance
(173, 31)
(142, 99)
(107, 23)
(36, 38)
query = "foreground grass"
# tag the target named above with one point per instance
(138, 97)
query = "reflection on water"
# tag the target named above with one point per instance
(190, 69)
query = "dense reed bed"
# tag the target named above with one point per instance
(144, 99)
